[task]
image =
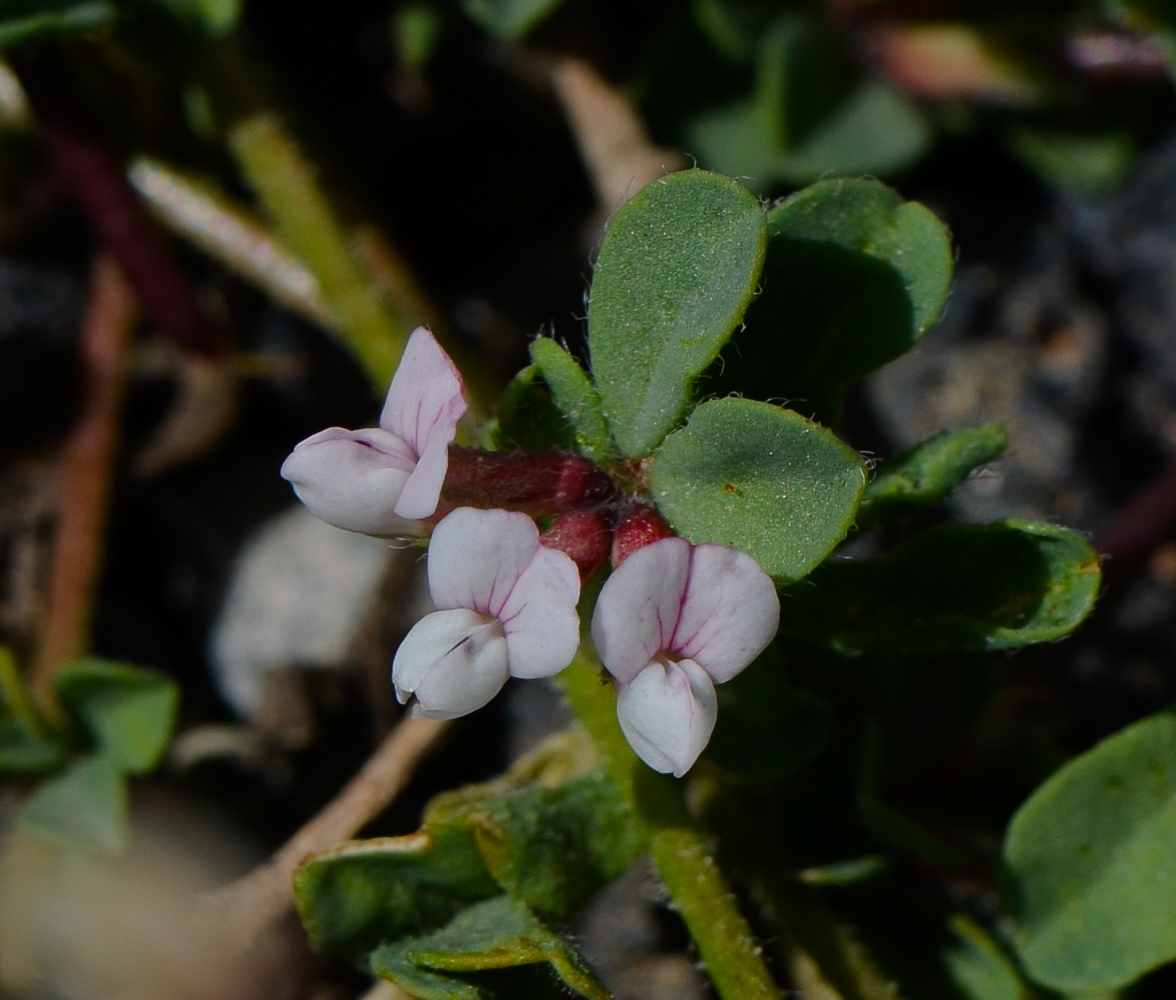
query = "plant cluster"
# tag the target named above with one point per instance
(782, 658)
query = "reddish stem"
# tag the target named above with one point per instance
(97, 179)
(88, 474)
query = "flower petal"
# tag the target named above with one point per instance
(476, 558)
(426, 398)
(453, 662)
(422, 491)
(352, 479)
(539, 617)
(730, 613)
(668, 713)
(637, 611)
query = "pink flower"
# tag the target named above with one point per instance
(507, 608)
(374, 479)
(671, 622)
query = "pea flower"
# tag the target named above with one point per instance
(373, 480)
(507, 608)
(672, 621)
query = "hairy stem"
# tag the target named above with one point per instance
(285, 182)
(701, 895)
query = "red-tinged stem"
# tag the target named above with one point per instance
(538, 483)
(97, 179)
(100, 185)
(88, 474)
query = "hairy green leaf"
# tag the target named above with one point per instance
(528, 417)
(1092, 860)
(83, 806)
(127, 711)
(496, 934)
(929, 472)
(761, 479)
(355, 896)
(676, 272)
(952, 588)
(575, 396)
(551, 832)
(854, 276)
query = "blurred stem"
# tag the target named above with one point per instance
(88, 474)
(285, 182)
(247, 907)
(701, 895)
(226, 232)
(97, 180)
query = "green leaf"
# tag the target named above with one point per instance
(854, 276)
(767, 727)
(23, 753)
(677, 270)
(978, 966)
(929, 472)
(1092, 859)
(761, 479)
(575, 396)
(24, 20)
(552, 832)
(416, 28)
(952, 588)
(509, 18)
(83, 806)
(496, 934)
(358, 894)
(127, 711)
(852, 871)
(528, 416)
(555, 847)
(1077, 162)
(27, 743)
(875, 131)
(209, 17)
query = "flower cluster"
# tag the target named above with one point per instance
(673, 620)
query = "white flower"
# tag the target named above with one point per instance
(373, 480)
(507, 609)
(671, 622)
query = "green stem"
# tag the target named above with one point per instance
(683, 858)
(305, 222)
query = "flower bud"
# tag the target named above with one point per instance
(637, 526)
(585, 536)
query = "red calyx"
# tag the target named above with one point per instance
(637, 526)
(585, 535)
(539, 483)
